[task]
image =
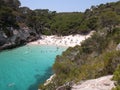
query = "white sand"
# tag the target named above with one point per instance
(102, 83)
(68, 41)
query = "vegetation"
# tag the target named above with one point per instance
(117, 78)
(97, 56)
(94, 58)
(48, 22)
(8, 8)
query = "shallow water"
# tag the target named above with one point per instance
(26, 67)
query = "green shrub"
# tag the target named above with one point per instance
(116, 77)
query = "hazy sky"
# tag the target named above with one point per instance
(62, 5)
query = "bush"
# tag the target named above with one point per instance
(116, 77)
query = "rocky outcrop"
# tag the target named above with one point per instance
(3, 38)
(102, 83)
(19, 37)
(66, 86)
(118, 47)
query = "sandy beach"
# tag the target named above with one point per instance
(67, 41)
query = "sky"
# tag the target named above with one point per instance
(63, 5)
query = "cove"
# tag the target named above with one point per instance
(24, 68)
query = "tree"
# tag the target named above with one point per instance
(7, 19)
(12, 3)
(109, 20)
(92, 23)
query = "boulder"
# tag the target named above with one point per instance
(118, 47)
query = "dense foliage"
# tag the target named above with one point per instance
(8, 9)
(97, 56)
(94, 58)
(48, 22)
(117, 78)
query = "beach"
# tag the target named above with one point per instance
(67, 41)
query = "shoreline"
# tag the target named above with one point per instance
(65, 41)
(49, 80)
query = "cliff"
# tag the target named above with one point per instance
(19, 37)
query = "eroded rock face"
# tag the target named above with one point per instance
(19, 37)
(102, 83)
(2, 38)
(66, 86)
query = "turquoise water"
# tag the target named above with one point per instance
(26, 67)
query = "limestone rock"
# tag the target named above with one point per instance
(19, 37)
(118, 47)
(102, 83)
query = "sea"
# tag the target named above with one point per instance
(26, 67)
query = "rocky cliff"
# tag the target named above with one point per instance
(19, 37)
